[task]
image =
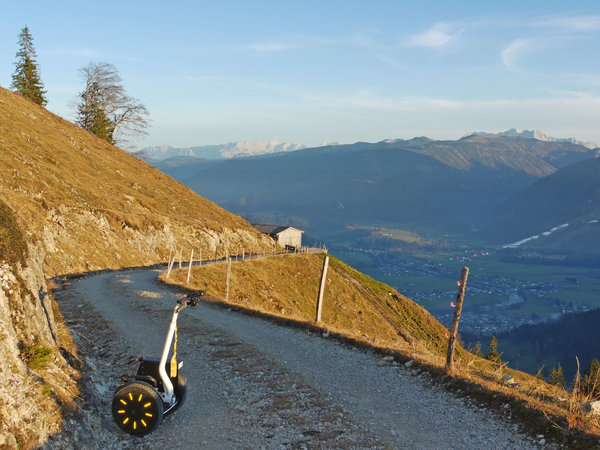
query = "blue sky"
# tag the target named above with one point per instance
(325, 71)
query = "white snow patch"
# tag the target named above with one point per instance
(531, 238)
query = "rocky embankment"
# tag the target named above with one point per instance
(80, 240)
(35, 379)
(37, 383)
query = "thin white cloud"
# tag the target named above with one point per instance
(88, 53)
(366, 99)
(438, 35)
(577, 100)
(586, 79)
(393, 62)
(514, 51)
(362, 40)
(269, 47)
(404, 104)
(565, 93)
(573, 101)
(571, 23)
(365, 38)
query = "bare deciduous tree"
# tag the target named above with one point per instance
(104, 91)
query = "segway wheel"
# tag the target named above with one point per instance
(137, 409)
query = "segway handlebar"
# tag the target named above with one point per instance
(190, 300)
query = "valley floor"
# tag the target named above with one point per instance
(501, 295)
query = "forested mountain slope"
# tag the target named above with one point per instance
(436, 187)
(568, 196)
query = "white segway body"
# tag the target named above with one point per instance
(157, 389)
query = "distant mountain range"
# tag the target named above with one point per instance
(447, 189)
(242, 148)
(214, 152)
(534, 134)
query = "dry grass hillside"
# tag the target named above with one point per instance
(369, 313)
(93, 206)
(70, 203)
(356, 305)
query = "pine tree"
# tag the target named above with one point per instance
(556, 376)
(26, 79)
(477, 350)
(540, 374)
(493, 354)
(91, 115)
(590, 382)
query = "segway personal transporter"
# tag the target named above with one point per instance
(157, 389)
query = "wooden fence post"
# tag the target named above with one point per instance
(171, 262)
(322, 289)
(190, 267)
(227, 280)
(180, 256)
(243, 254)
(457, 312)
(200, 259)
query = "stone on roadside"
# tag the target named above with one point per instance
(592, 407)
(9, 441)
(409, 363)
(508, 379)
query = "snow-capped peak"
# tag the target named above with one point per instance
(533, 134)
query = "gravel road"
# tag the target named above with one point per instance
(256, 384)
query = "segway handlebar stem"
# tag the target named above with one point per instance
(192, 301)
(167, 395)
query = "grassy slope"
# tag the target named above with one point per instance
(51, 168)
(369, 312)
(354, 304)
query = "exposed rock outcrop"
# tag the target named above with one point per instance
(34, 376)
(79, 240)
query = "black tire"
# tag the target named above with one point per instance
(137, 408)
(180, 389)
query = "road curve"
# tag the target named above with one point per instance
(256, 384)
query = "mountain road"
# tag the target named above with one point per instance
(253, 383)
